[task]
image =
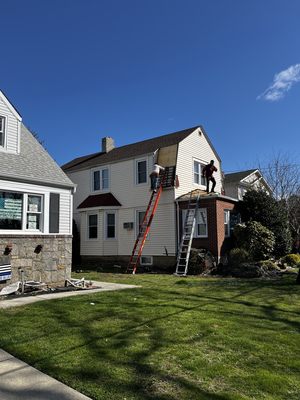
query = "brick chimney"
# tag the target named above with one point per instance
(107, 144)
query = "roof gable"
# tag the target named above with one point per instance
(9, 105)
(33, 164)
(238, 176)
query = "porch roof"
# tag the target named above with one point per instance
(100, 200)
(193, 194)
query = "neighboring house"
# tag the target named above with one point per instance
(36, 200)
(237, 184)
(113, 191)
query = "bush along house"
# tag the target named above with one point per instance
(35, 206)
(113, 192)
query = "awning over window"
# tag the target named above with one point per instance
(100, 200)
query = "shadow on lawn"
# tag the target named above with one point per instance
(113, 364)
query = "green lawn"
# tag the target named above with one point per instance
(172, 338)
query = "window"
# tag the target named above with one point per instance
(34, 212)
(93, 226)
(2, 131)
(198, 178)
(227, 222)
(241, 192)
(146, 260)
(110, 225)
(11, 206)
(139, 220)
(141, 172)
(100, 179)
(201, 223)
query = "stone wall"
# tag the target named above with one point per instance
(50, 264)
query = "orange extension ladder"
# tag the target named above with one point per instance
(145, 226)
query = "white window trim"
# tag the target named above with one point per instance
(5, 118)
(105, 224)
(228, 223)
(100, 169)
(146, 263)
(41, 213)
(88, 226)
(138, 210)
(136, 171)
(196, 236)
(202, 163)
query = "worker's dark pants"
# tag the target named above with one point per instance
(212, 179)
(154, 181)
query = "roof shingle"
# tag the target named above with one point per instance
(99, 200)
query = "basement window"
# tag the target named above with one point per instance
(146, 260)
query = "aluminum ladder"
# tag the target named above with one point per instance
(187, 236)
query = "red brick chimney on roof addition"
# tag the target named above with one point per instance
(108, 144)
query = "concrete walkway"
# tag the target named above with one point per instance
(19, 381)
(101, 287)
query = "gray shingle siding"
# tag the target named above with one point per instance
(33, 164)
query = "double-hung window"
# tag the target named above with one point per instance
(141, 171)
(2, 131)
(227, 223)
(100, 179)
(110, 225)
(34, 212)
(93, 226)
(198, 178)
(201, 223)
(139, 220)
(200, 230)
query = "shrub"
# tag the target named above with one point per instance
(238, 256)
(268, 265)
(259, 206)
(291, 260)
(258, 240)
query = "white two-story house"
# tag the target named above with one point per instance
(36, 200)
(113, 191)
(237, 184)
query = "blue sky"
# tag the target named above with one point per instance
(83, 69)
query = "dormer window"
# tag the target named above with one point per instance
(2, 131)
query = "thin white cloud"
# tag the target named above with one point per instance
(282, 83)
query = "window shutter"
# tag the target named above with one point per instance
(54, 213)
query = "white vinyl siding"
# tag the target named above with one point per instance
(12, 129)
(65, 213)
(194, 147)
(132, 197)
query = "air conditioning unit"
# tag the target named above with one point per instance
(128, 225)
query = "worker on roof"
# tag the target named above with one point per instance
(207, 172)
